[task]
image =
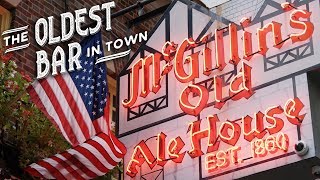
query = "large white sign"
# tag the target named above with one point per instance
(230, 99)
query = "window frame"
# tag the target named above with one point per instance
(5, 21)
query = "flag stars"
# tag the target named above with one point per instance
(92, 86)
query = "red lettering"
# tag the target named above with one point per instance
(232, 127)
(296, 23)
(185, 104)
(197, 135)
(240, 85)
(247, 45)
(192, 59)
(174, 148)
(154, 60)
(222, 159)
(207, 63)
(234, 54)
(134, 85)
(218, 85)
(292, 110)
(250, 132)
(161, 159)
(220, 59)
(140, 154)
(276, 123)
(273, 27)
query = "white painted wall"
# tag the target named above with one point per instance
(272, 95)
(234, 10)
(213, 3)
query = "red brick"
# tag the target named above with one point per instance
(28, 11)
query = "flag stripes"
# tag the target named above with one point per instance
(76, 103)
(93, 158)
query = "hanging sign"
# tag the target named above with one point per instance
(226, 93)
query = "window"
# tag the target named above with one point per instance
(5, 21)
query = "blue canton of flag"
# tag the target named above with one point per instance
(91, 79)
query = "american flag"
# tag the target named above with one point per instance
(76, 103)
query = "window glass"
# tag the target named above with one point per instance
(5, 21)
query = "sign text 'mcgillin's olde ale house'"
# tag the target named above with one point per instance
(206, 98)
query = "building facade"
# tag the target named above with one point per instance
(240, 104)
(224, 93)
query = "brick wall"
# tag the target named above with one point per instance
(29, 11)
